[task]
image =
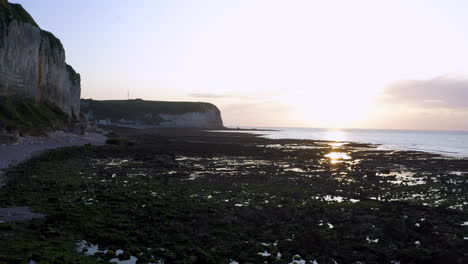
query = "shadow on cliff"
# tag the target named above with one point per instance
(25, 116)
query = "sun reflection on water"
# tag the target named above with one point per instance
(337, 157)
(337, 144)
(335, 135)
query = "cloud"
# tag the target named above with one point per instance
(236, 95)
(440, 92)
(209, 95)
(270, 113)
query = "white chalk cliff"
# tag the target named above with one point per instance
(211, 118)
(32, 62)
(141, 113)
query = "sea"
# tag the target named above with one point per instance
(448, 143)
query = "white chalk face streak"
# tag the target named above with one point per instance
(33, 66)
(206, 119)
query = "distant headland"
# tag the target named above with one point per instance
(40, 92)
(144, 114)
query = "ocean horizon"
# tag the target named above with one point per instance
(453, 143)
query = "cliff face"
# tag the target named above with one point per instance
(139, 113)
(211, 118)
(32, 62)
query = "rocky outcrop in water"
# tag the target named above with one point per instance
(32, 62)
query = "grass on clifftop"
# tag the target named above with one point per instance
(31, 117)
(72, 75)
(54, 42)
(135, 109)
(9, 12)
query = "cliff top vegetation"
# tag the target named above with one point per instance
(131, 109)
(10, 12)
(27, 116)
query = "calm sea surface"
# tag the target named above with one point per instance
(450, 143)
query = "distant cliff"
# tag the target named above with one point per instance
(32, 62)
(153, 113)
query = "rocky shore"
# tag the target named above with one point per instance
(23, 148)
(191, 196)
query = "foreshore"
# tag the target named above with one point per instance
(26, 147)
(191, 196)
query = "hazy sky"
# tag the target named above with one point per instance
(368, 64)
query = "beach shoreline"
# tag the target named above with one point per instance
(188, 196)
(451, 144)
(27, 147)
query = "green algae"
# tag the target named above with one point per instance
(28, 116)
(123, 197)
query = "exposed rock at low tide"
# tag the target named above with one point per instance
(18, 214)
(191, 196)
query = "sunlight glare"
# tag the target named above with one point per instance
(335, 135)
(337, 157)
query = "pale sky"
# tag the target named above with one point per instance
(344, 64)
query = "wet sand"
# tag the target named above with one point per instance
(17, 214)
(11, 154)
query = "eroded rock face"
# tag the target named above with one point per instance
(33, 62)
(211, 118)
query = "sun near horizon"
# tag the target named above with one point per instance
(334, 64)
(233, 131)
